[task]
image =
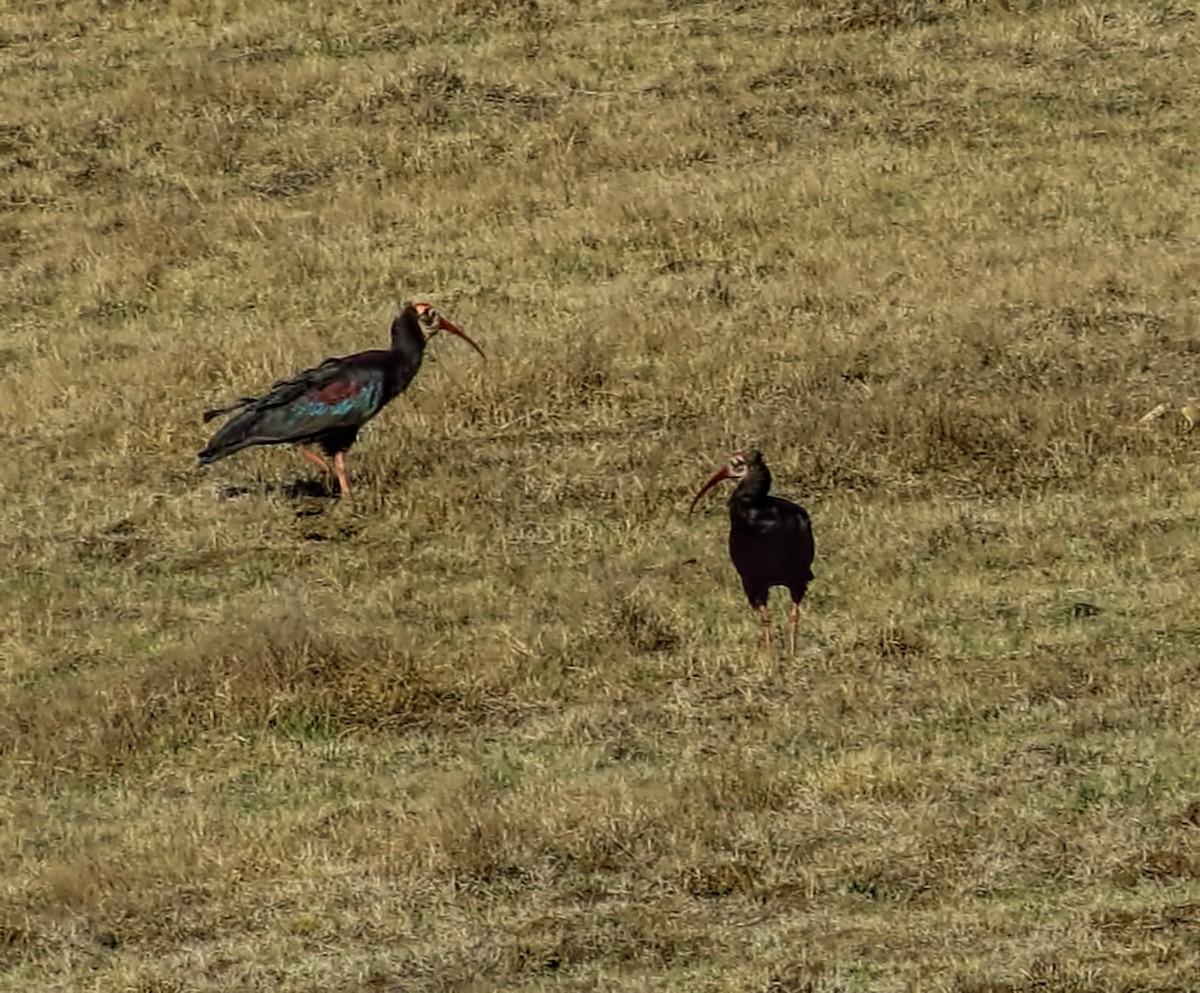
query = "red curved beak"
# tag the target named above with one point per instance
(445, 325)
(720, 474)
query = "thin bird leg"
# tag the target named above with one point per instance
(793, 623)
(765, 614)
(339, 467)
(313, 457)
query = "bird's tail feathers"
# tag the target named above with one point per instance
(221, 445)
(208, 415)
(234, 435)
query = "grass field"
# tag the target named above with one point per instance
(501, 721)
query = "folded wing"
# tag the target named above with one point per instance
(330, 397)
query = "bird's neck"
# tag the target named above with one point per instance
(408, 341)
(754, 486)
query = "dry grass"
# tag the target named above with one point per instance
(501, 724)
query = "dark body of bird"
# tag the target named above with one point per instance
(770, 538)
(328, 404)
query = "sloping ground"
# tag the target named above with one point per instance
(501, 723)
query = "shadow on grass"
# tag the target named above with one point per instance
(296, 489)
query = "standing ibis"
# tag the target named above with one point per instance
(326, 405)
(770, 539)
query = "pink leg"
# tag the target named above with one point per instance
(765, 614)
(339, 467)
(793, 623)
(313, 457)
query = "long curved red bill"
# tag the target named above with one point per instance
(445, 325)
(720, 474)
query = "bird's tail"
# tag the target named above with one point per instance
(234, 435)
(208, 415)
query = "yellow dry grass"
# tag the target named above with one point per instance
(501, 723)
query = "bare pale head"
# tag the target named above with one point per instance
(735, 468)
(432, 322)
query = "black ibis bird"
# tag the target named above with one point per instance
(328, 404)
(770, 539)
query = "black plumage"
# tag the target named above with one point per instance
(328, 404)
(770, 538)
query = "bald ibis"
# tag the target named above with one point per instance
(326, 405)
(770, 539)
